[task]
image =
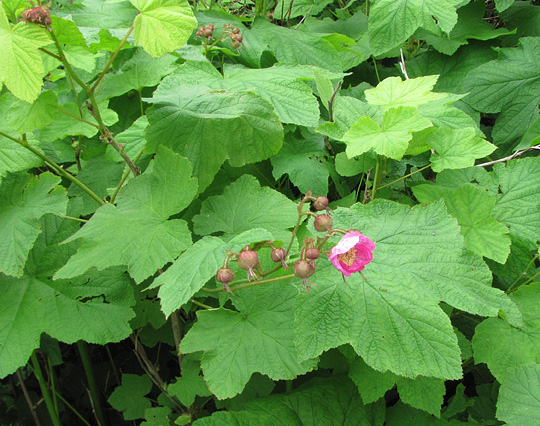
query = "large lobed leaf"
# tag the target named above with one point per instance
(138, 233)
(393, 319)
(259, 337)
(209, 126)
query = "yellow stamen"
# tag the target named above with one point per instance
(348, 258)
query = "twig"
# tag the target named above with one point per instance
(367, 191)
(331, 115)
(28, 399)
(176, 325)
(510, 157)
(402, 65)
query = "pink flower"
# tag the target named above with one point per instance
(352, 253)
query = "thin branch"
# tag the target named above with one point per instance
(202, 305)
(402, 65)
(510, 157)
(76, 117)
(28, 399)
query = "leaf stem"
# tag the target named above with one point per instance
(404, 177)
(176, 326)
(522, 274)
(202, 305)
(376, 69)
(514, 155)
(44, 390)
(111, 59)
(123, 180)
(27, 398)
(56, 167)
(375, 178)
(254, 283)
(63, 111)
(89, 371)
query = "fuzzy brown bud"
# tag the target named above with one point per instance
(313, 253)
(320, 203)
(323, 223)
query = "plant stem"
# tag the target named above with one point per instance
(375, 178)
(76, 117)
(522, 274)
(176, 325)
(111, 59)
(44, 390)
(89, 371)
(71, 408)
(404, 177)
(28, 399)
(514, 155)
(254, 283)
(202, 305)
(52, 386)
(122, 181)
(57, 168)
(376, 69)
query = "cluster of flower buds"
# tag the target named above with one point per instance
(353, 252)
(236, 40)
(205, 32)
(37, 15)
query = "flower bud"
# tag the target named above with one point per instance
(248, 259)
(224, 275)
(323, 223)
(313, 253)
(320, 203)
(235, 30)
(235, 44)
(303, 269)
(278, 254)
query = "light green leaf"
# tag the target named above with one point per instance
(81, 57)
(302, 159)
(502, 5)
(142, 70)
(23, 201)
(509, 85)
(501, 346)
(100, 14)
(159, 416)
(258, 338)
(531, 136)
(395, 315)
(66, 125)
(391, 139)
(393, 92)
(484, 235)
(163, 25)
(197, 265)
(25, 117)
(392, 22)
(138, 233)
(209, 126)
(245, 205)
(133, 139)
(191, 384)
(21, 66)
(456, 148)
(519, 198)
(129, 397)
(442, 113)
(519, 397)
(298, 48)
(13, 156)
(67, 32)
(324, 87)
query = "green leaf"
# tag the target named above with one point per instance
(101, 14)
(67, 32)
(23, 201)
(502, 5)
(129, 397)
(163, 25)
(25, 117)
(354, 166)
(142, 70)
(502, 346)
(302, 160)
(13, 156)
(531, 136)
(509, 85)
(324, 87)
(191, 384)
(470, 25)
(371, 384)
(294, 9)
(94, 308)
(21, 67)
(66, 125)
(138, 233)
(197, 265)
(157, 416)
(425, 393)
(484, 235)
(298, 48)
(209, 126)
(395, 315)
(133, 139)
(258, 338)
(281, 85)
(393, 92)
(456, 148)
(245, 205)
(391, 139)
(519, 396)
(330, 401)
(404, 415)
(392, 22)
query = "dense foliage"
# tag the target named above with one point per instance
(148, 145)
